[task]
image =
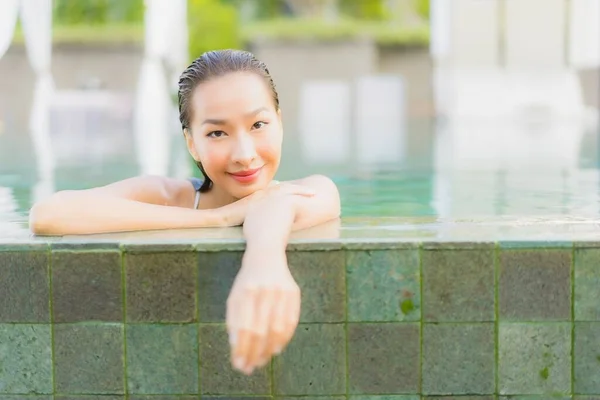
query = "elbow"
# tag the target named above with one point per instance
(334, 203)
(44, 216)
(39, 220)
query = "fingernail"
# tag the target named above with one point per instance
(249, 371)
(238, 363)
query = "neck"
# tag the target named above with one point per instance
(221, 198)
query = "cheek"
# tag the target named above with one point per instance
(212, 157)
(270, 147)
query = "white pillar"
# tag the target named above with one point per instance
(36, 19)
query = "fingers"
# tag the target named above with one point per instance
(264, 309)
(240, 316)
(260, 326)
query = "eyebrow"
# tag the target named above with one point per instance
(223, 121)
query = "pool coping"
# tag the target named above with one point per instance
(344, 234)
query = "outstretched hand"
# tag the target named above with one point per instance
(263, 309)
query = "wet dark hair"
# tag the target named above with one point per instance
(213, 64)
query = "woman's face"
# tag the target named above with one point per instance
(236, 132)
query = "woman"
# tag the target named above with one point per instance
(229, 112)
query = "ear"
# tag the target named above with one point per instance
(189, 141)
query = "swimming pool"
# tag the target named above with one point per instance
(478, 280)
(419, 188)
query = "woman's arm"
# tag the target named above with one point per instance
(140, 203)
(292, 213)
(263, 308)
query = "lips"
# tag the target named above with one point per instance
(248, 172)
(247, 176)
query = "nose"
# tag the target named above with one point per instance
(244, 152)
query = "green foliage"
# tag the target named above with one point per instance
(98, 12)
(423, 8)
(365, 9)
(344, 29)
(213, 25)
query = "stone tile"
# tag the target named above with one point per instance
(161, 243)
(307, 398)
(441, 245)
(383, 285)
(470, 298)
(537, 397)
(458, 359)
(383, 358)
(87, 286)
(26, 362)
(534, 358)
(182, 397)
(535, 244)
(24, 287)
(385, 397)
(587, 357)
(459, 397)
(535, 285)
(82, 243)
(216, 275)
(162, 359)
(239, 398)
(587, 282)
(161, 287)
(321, 276)
(88, 359)
(92, 397)
(491, 397)
(314, 362)
(217, 376)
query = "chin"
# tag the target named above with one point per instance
(239, 191)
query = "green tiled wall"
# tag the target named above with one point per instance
(386, 322)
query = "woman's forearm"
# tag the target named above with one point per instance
(72, 213)
(269, 222)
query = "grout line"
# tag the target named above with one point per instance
(409, 322)
(197, 317)
(346, 325)
(573, 253)
(497, 320)
(124, 300)
(199, 344)
(421, 320)
(52, 325)
(272, 377)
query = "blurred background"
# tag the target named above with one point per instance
(437, 109)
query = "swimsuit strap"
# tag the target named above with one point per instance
(197, 183)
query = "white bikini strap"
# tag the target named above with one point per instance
(197, 200)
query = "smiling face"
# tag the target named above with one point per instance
(236, 132)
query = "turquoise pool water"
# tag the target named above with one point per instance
(417, 186)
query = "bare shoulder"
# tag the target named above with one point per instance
(151, 189)
(322, 207)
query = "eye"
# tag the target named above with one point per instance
(215, 134)
(259, 124)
